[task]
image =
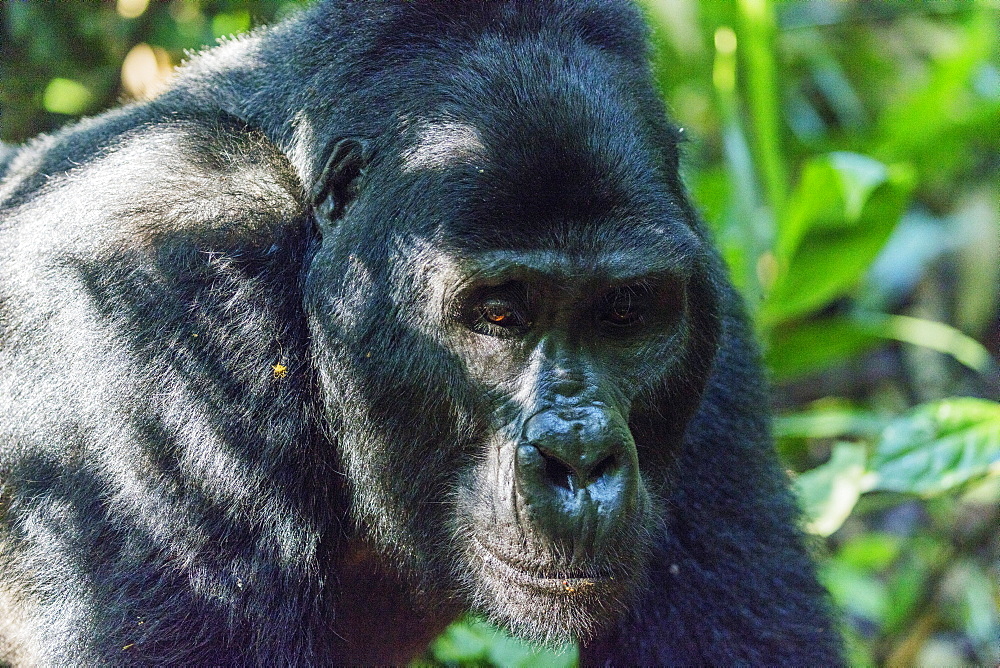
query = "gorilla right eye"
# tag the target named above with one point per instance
(498, 312)
(499, 316)
(626, 307)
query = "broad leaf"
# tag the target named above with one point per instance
(939, 446)
(829, 423)
(799, 348)
(829, 492)
(840, 216)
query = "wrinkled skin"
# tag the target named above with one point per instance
(393, 311)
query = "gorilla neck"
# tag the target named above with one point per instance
(380, 618)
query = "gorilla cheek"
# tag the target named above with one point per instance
(375, 407)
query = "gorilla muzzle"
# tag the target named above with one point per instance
(577, 474)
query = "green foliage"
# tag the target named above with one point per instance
(840, 216)
(845, 156)
(473, 642)
(65, 96)
(64, 59)
(938, 447)
(828, 493)
(933, 449)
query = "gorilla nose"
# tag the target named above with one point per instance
(576, 464)
(574, 450)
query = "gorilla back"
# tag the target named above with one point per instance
(392, 311)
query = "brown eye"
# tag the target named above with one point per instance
(498, 312)
(501, 311)
(622, 313)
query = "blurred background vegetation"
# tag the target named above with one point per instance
(846, 154)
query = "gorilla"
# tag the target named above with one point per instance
(390, 312)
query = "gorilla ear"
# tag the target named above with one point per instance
(337, 183)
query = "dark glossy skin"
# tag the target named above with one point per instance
(393, 311)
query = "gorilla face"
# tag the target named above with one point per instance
(513, 324)
(568, 346)
(527, 397)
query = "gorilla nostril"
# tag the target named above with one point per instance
(557, 472)
(571, 448)
(602, 468)
(560, 474)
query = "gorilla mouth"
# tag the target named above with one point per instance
(544, 578)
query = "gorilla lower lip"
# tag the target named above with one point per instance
(553, 584)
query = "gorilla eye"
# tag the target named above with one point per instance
(625, 307)
(498, 316)
(499, 312)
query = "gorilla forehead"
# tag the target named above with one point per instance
(574, 188)
(524, 144)
(441, 144)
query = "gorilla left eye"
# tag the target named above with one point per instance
(625, 308)
(500, 311)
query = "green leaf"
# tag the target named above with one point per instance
(904, 588)
(829, 492)
(507, 651)
(761, 93)
(936, 336)
(712, 190)
(840, 217)
(939, 446)
(805, 347)
(829, 423)
(798, 348)
(918, 124)
(473, 641)
(982, 616)
(231, 23)
(463, 641)
(855, 590)
(873, 551)
(831, 194)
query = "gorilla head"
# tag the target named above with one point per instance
(517, 319)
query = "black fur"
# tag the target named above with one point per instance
(243, 423)
(6, 155)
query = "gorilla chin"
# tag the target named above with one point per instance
(546, 602)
